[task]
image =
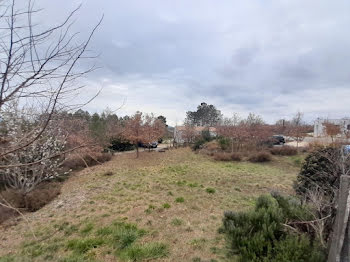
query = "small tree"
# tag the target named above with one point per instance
(133, 131)
(153, 128)
(143, 129)
(332, 130)
(297, 128)
(189, 134)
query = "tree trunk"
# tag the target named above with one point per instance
(137, 150)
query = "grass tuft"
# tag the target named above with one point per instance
(179, 200)
(166, 205)
(81, 246)
(177, 222)
(144, 252)
(210, 190)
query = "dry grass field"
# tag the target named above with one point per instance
(162, 206)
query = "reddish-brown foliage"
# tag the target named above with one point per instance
(260, 157)
(35, 199)
(284, 151)
(220, 156)
(332, 130)
(143, 129)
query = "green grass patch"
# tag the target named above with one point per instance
(210, 190)
(150, 209)
(143, 252)
(87, 229)
(177, 222)
(81, 246)
(166, 205)
(179, 200)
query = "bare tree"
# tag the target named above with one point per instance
(39, 73)
(297, 128)
(189, 134)
(332, 130)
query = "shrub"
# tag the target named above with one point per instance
(41, 196)
(260, 157)
(224, 143)
(260, 235)
(198, 144)
(35, 199)
(75, 162)
(220, 156)
(235, 157)
(320, 171)
(120, 145)
(284, 151)
(211, 146)
(6, 213)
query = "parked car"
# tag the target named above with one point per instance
(278, 140)
(149, 145)
(274, 140)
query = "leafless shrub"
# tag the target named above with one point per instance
(284, 151)
(6, 213)
(221, 156)
(35, 199)
(260, 157)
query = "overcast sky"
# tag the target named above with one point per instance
(269, 57)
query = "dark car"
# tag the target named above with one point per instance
(149, 145)
(273, 141)
(278, 140)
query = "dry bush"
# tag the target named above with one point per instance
(260, 157)
(227, 157)
(236, 157)
(212, 146)
(41, 196)
(73, 163)
(284, 151)
(35, 199)
(76, 162)
(6, 213)
(104, 157)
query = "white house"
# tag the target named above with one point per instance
(320, 129)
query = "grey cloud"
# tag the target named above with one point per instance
(273, 58)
